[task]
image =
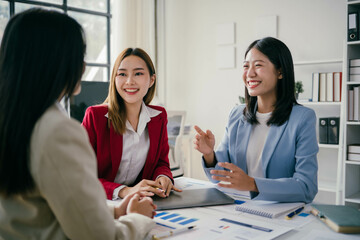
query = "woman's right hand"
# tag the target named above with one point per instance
(141, 205)
(145, 187)
(204, 142)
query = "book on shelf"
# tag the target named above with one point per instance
(329, 87)
(355, 62)
(322, 87)
(354, 70)
(353, 157)
(315, 87)
(353, 152)
(353, 28)
(333, 130)
(337, 86)
(354, 78)
(323, 130)
(340, 218)
(356, 103)
(354, 148)
(350, 105)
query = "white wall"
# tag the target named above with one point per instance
(312, 29)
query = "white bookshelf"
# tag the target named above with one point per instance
(351, 169)
(330, 155)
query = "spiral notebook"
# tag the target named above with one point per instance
(267, 208)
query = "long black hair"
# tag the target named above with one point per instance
(279, 55)
(41, 60)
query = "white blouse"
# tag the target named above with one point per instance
(256, 144)
(135, 149)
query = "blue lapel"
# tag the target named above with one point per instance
(272, 140)
(241, 143)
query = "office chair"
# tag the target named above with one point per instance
(175, 128)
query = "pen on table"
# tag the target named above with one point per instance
(171, 233)
(159, 189)
(292, 214)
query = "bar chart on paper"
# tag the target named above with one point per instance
(212, 225)
(174, 218)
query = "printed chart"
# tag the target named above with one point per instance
(211, 225)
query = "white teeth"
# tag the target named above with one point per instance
(253, 83)
(130, 90)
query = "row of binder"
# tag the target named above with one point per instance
(354, 104)
(329, 130)
(326, 86)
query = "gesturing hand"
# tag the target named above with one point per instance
(235, 178)
(204, 142)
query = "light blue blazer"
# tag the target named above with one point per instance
(289, 160)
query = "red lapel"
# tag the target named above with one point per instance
(154, 129)
(116, 146)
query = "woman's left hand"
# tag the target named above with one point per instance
(235, 178)
(167, 185)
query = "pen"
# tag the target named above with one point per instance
(157, 188)
(171, 233)
(292, 214)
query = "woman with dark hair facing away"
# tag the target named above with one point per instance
(269, 147)
(48, 183)
(128, 135)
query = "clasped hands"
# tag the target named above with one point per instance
(162, 187)
(137, 199)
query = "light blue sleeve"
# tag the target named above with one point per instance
(222, 152)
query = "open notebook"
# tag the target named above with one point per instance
(267, 208)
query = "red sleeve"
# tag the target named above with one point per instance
(109, 187)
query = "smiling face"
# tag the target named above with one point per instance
(260, 75)
(133, 80)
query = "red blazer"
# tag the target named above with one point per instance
(108, 147)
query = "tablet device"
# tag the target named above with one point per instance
(192, 198)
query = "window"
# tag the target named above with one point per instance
(93, 15)
(4, 16)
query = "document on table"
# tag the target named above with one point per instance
(298, 221)
(191, 183)
(211, 225)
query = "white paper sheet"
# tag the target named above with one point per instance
(212, 225)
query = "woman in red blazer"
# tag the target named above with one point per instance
(129, 136)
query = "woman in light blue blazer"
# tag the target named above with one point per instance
(269, 147)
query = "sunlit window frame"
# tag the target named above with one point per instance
(67, 8)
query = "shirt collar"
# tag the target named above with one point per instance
(60, 107)
(146, 113)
